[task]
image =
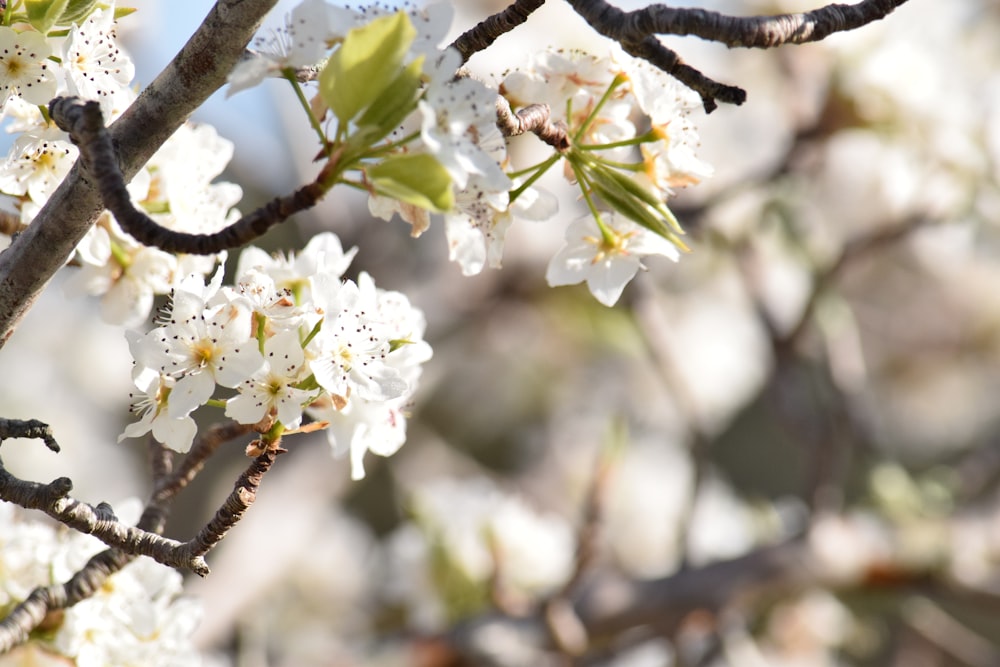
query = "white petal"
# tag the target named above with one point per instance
(607, 280)
(191, 392)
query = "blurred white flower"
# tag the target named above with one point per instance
(135, 618)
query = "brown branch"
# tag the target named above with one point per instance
(534, 118)
(636, 31)
(854, 249)
(243, 495)
(198, 70)
(651, 50)
(28, 428)
(485, 33)
(762, 32)
(203, 448)
(85, 124)
(126, 542)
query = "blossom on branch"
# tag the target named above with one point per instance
(606, 258)
(24, 66)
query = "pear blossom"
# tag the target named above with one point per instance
(24, 67)
(323, 255)
(455, 116)
(37, 163)
(202, 345)
(477, 228)
(361, 423)
(272, 387)
(311, 28)
(177, 433)
(351, 348)
(96, 68)
(607, 262)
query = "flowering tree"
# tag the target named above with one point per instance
(119, 185)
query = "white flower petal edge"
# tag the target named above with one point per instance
(607, 267)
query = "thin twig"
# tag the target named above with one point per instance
(85, 124)
(203, 448)
(636, 31)
(534, 118)
(198, 70)
(485, 33)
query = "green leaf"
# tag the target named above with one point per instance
(365, 65)
(77, 11)
(390, 108)
(415, 179)
(43, 14)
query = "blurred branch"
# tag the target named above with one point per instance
(198, 70)
(486, 32)
(654, 327)
(951, 636)
(611, 606)
(857, 248)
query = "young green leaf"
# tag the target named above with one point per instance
(415, 179)
(43, 14)
(365, 65)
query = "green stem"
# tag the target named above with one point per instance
(634, 141)
(578, 137)
(606, 234)
(121, 257)
(543, 167)
(289, 75)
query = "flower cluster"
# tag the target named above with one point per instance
(136, 618)
(175, 187)
(291, 337)
(433, 145)
(631, 172)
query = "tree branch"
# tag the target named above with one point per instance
(485, 33)
(533, 118)
(85, 125)
(198, 70)
(636, 31)
(763, 32)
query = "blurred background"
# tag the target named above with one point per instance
(822, 369)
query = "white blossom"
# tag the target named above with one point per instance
(607, 264)
(176, 432)
(24, 66)
(272, 387)
(95, 66)
(37, 163)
